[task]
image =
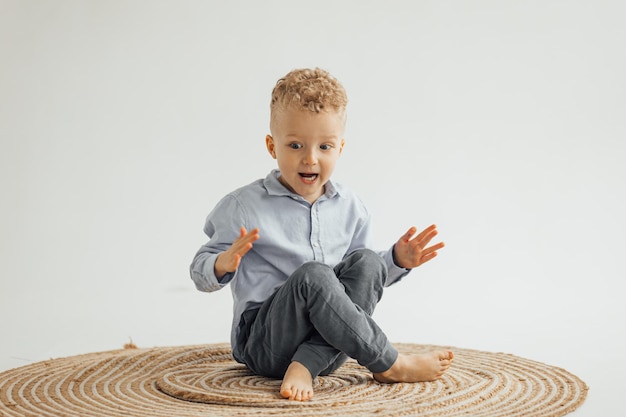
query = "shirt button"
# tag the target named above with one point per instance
(315, 244)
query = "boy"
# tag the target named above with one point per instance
(294, 247)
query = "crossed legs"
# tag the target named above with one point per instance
(319, 318)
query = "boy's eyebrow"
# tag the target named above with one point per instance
(292, 137)
(327, 137)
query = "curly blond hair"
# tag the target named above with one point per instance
(309, 89)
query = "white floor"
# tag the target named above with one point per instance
(122, 124)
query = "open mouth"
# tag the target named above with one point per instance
(307, 177)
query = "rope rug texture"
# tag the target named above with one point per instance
(204, 381)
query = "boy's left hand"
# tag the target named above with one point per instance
(411, 252)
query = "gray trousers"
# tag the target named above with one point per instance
(320, 317)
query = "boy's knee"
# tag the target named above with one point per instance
(314, 268)
(368, 259)
(315, 274)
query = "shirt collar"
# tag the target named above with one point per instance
(274, 187)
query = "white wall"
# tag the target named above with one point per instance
(122, 123)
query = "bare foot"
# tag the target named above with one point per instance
(417, 368)
(297, 383)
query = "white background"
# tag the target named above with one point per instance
(122, 124)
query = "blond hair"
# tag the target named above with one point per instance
(314, 90)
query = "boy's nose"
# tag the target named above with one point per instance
(310, 158)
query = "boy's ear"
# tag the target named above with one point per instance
(343, 142)
(269, 143)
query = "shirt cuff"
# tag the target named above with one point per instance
(205, 278)
(394, 272)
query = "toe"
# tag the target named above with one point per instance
(286, 394)
(299, 396)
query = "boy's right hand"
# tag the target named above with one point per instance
(229, 260)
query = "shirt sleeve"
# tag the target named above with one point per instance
(222, 227)
(394, 272)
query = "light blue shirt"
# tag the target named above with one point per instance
(292, 231)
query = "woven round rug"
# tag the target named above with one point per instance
(205, 381)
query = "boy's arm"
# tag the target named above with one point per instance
(209, 270)
(203, 273)
(394, 272)
(229, 260)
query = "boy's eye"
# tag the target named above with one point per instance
(295, 146)
(325, 147)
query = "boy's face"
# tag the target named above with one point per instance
(306, 146)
